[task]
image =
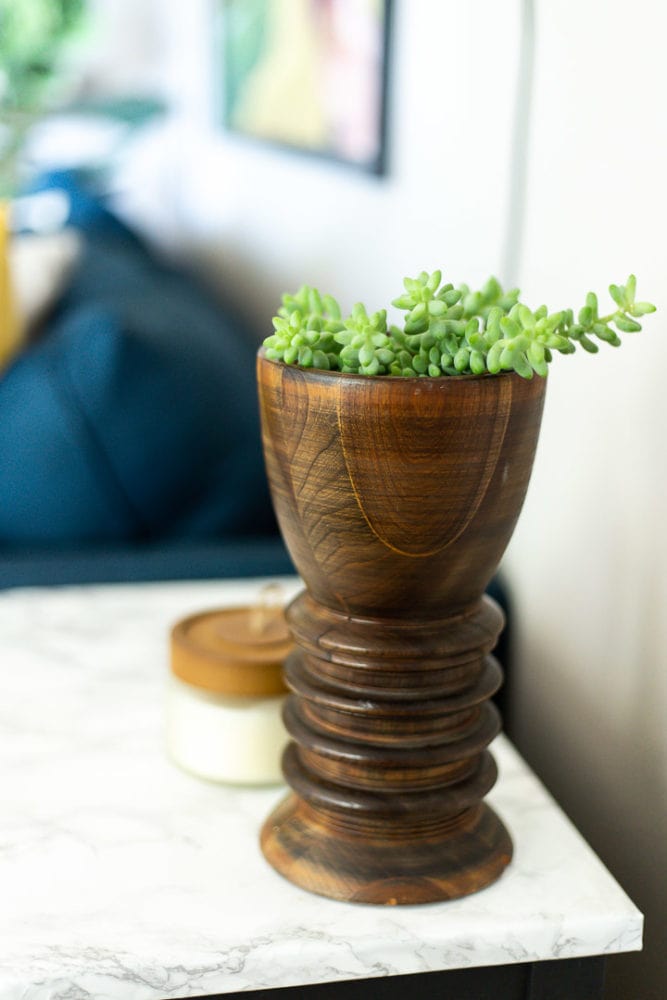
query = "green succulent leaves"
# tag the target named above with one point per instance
(446, 331)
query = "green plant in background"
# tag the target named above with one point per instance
(32, 33)
(446, 331)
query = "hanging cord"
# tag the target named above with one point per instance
(516, 209)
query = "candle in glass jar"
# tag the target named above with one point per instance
(226, 694)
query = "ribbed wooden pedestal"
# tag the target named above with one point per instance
(389, 764)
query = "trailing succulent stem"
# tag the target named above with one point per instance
(446, 331)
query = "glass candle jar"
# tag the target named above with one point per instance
(226, 694)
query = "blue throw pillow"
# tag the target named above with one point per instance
(51, 486)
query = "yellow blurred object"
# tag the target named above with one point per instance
(10, 333)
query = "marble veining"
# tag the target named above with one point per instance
(122, 878)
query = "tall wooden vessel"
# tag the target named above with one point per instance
(396, 498)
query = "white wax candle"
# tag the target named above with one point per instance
(233, 739)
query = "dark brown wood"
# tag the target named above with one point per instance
(396, 498)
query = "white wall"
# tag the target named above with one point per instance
(589, 560)
(266, 220)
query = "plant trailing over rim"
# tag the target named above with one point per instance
(446, 331)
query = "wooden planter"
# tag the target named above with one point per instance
(396, 498)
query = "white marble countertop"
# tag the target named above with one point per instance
(123, 878)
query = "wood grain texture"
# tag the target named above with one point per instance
(396, 499)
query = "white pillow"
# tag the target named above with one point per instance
(40, 266)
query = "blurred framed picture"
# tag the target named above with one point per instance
(310, 75)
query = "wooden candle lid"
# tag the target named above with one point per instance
(235, 651)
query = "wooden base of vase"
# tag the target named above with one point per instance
(390, 721)
(367, 868)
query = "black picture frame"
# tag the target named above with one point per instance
(231, 62)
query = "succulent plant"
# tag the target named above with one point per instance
(446, 330)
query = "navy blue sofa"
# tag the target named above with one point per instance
(129, 434)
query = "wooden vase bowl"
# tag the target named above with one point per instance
(396, 498)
